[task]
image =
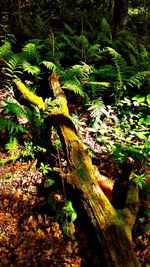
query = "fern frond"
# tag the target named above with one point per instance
(105, 27)
(133, 59)
(96, 108)
(94, 51)
(12, 106)
(30, 49)
(73, 72)
(32, 69)
(49, 65)
(12, 145)
(136, 79)
(13, 66)
(107, 71)
(35, 116)
(143, 51)
(68, 29)
(116, 57)
(75, 86)
(31, 52)
(67, 40)
(82, 39)
(130, 46)
(5, 50)
(79, 71)
(12, 127)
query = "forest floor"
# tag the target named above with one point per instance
(31, 236)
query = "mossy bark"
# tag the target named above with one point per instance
(113, 228)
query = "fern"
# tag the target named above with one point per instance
(13, 66)
(143, 52)
(11, 126)
(120, 66)
(131, 47)
(5, 51)
(79, 71)
(12, 145)
(69, 29)
(136, 79)
(75, 86)
(116, 57)
(68, 41)
(50, 65)
(82, 39)
(96, 109)
(32, 69)
(31, 52)
(105, 27)
(133, 59)
(107, 72)
(94, 52)
(72, 72)
(13, 107)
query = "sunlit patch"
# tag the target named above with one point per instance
(96, 189)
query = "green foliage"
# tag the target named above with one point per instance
(69, 208)
(139, 179)
(31, 69)
(28, 150)
(12, 106)
(12, 145)
(12, 127)
(5, 51)
(49, 65)
(96, 111)
(45, 168)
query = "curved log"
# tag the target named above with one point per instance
(113, 228)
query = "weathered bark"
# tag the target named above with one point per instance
(113, 228)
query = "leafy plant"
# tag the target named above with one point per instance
(28, 150)
(45, 168)
(12, 146)
(139, 179)
(69, 208)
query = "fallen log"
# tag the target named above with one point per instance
(113, 227)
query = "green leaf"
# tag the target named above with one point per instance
(73, 216)
(139, 98)
(147, 144)
(105, 84)
(131, 149)
(68, 205)
(141, 135)
(148, 99)
(48, 183)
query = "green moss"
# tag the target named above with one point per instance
(38, 101)
(82, 173)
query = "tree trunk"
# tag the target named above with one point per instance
(120, 13)
(112, 227)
